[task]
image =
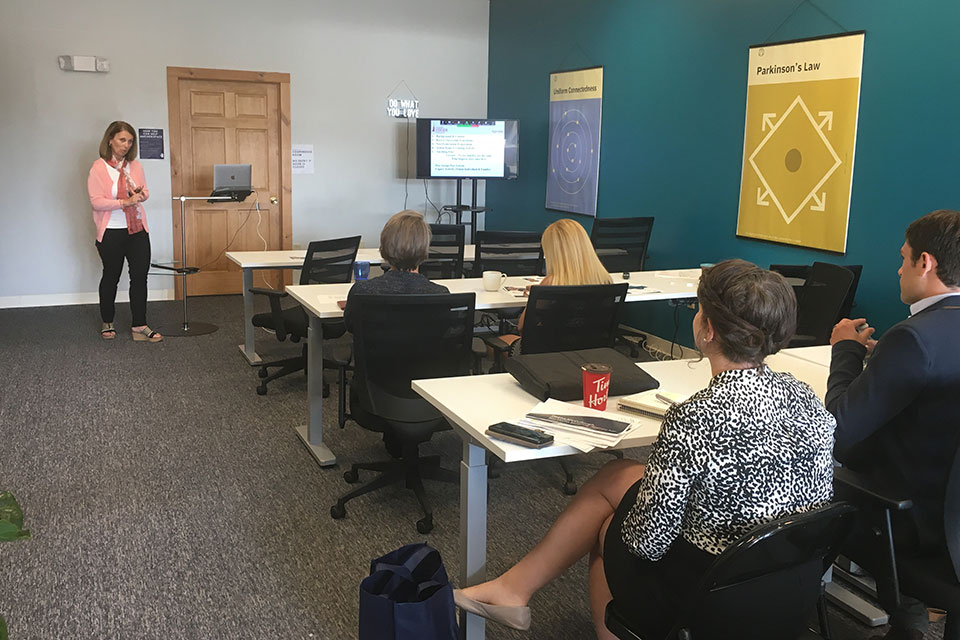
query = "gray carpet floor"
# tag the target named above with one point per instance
(167, 500)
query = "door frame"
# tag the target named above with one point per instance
(282, 80)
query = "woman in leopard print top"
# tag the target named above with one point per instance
(755, 445)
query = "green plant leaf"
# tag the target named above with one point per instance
(3, 629)
(11, 519)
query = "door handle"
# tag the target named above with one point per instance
(274, 200)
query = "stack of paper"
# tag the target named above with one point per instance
(653, 403)
(579, 427)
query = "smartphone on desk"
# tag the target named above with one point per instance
(533, 438)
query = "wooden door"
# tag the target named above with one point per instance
(229, 117)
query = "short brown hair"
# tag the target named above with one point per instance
(938, 233)
(753, 311)
(405, 240)
(113, 129)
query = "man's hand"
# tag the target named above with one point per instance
(846, 329)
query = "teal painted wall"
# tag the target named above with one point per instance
(673, 117)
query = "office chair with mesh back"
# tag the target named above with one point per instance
(326, 262)
(763, 586)
(621, 243)
(399, 338)
(929, 572)
(567, 318)
(445, 258)
(800, 272)
(515, 253)
(819, 303)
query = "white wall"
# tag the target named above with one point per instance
(343, 57)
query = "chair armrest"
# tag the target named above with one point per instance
(495, 343)
(276, 311)
(273, 293)
(865, 489)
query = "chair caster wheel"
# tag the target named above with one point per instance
(338, 512)
(425, 525)
(570, 488)
(262, 390)
(351, 476)
(262, 373)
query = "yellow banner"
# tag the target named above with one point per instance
(576, 85)
(799, 141)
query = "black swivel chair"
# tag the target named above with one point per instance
(326, 262)
(399, 338)
(763, 586)
(802, 271)
(515, 253)
(567, 318)
(445, 258)
(621, 243)
(929, 572)
(819, 303)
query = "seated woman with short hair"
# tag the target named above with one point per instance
(404, 245)
(753, 446)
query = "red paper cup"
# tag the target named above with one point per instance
(596, 385)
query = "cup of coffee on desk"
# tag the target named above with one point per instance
(493, 280)
(596, 385)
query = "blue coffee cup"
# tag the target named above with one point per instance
(361, 270)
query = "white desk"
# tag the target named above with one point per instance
(457, 398)
(818, 355)
(250, 260)
(320, 301)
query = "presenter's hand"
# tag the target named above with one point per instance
(144, 194)
(847, 329)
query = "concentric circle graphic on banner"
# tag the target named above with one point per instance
(573, 157)
(573, 151)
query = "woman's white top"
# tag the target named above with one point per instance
(118, 219)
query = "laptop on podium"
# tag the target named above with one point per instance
(231, 180)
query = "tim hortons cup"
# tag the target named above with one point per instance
(596, 385)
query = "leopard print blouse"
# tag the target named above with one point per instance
(754, 446)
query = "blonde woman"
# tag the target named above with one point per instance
(570, 260)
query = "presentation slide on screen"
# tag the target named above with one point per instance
(466, 147)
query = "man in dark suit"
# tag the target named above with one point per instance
(898, 420)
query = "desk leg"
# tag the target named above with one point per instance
(249, 347)
(312, 433)
(473, 530)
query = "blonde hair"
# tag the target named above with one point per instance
(405, 240)
(113, 129)
(570, 258)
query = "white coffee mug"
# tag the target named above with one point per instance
(492, 280)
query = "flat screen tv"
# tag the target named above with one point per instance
(451, 148)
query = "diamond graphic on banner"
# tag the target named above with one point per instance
(794, 160)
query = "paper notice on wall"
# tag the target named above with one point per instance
(302, 158)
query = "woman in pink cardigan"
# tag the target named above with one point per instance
(117, 187)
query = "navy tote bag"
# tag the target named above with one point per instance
(407, 596)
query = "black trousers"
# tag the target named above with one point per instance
(117, 245)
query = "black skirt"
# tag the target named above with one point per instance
(651, 595)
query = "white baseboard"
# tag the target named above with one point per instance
(63, 299)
